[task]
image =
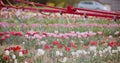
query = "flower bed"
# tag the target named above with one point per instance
(58, 40)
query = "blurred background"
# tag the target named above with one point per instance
(113, 5)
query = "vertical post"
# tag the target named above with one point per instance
(85, 15)
(61, 13)
(115, 18)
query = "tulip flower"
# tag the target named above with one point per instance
(13, 56)
(92, 48)
(7, 36)
(7, 52)
(93, 43)
(112, 44)
(47, 47)
(55, 42)
(3, 38)
(67, 48)
(64, 60)
(40, 52)
(6, 57)
(58, 53)
(24, 51)
(1, 33)
(20, 54)
(17, 48)
(60, 46)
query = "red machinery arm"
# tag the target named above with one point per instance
(68, 10)
(81, 9)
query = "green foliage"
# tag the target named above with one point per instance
(62, 3)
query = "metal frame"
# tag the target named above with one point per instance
(69, 10)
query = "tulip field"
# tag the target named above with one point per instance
(32, 37)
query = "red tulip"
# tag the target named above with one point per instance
(60, 46)
(55, 43)
(84, 46)
(47, 47)
(31, 33)
(112, 44)
(7, 49)
(67, 48)
(13, 33)
(19, 33)
(7, 36)
(17, 48)
(118, 44)
(10, 48)
(1, 33)
(36, 32)
(93, 43)
(3, 38)
(6, 57)
(24, 51)
(72, 44)
(75, 46)
(44, 33)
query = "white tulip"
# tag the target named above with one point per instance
(20, 54)
(13, 56)
(73, 53)
(61, 54)
(43, 42)
(118, 48)
(81, 42)
(100, 52)
(23, 43)
(88, 52)
(109, 48)
(79, 51)
(114, 51)
(106, 49)
(15, 61)
(95, 54)
(110, 52)
(57, 53)
(64, 60)
(117, 32)
(7, 52)
(77, 55)
(40, 52)
(103, 51)
(84, 52)
(25, 62)
(92, 48)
